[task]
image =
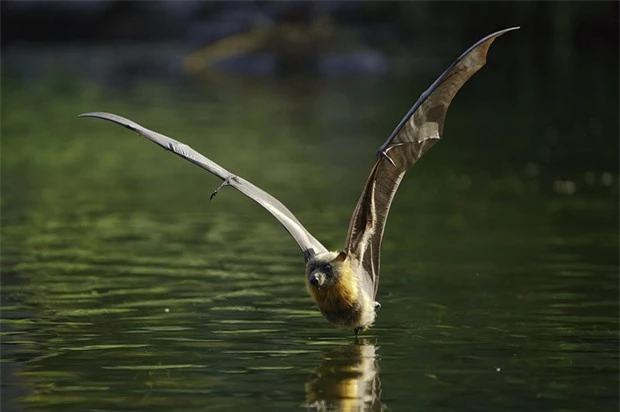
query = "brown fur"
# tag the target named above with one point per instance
(342, 295)
(342, 300)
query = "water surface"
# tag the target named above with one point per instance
(125, 288)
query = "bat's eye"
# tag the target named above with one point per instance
(327, 267)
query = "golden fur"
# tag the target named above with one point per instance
(343, 294)
(343, 297)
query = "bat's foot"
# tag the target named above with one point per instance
(225, 183)
(377, 306)
(357, 331)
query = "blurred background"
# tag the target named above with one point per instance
(268, 38)
(124, 287)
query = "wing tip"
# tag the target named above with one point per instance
(506, 30)
(484, 44)
(114, 118)
(498, 33)
(98, 115)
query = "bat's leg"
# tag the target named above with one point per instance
(357, 331)
(225, 183)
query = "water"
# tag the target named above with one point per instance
(124, 288)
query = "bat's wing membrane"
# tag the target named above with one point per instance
(417, 132)
(308, 244)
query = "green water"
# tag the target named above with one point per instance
(124, 288)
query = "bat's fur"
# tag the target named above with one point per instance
(345, 298)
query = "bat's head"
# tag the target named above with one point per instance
(324, 269)
(334, 287)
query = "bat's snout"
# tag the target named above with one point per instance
(317, 279)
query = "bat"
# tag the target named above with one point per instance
(344, 284)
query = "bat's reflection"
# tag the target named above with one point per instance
(346, 380)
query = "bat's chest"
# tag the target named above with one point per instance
(343, 312)
(344, 316)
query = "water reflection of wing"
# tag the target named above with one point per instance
(347, 380)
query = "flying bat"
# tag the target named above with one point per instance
(344, 284)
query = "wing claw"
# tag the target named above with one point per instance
(384, 154)
(225, 183)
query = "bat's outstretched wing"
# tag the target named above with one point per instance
(417, 132)
(308, 244)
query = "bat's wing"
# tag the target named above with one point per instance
(308, 244)
(417, 132)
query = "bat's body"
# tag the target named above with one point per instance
(342, 289)
(344, 284)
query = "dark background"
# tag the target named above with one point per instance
(577, 23)
(500, 261)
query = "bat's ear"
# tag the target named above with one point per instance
(341, 257)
